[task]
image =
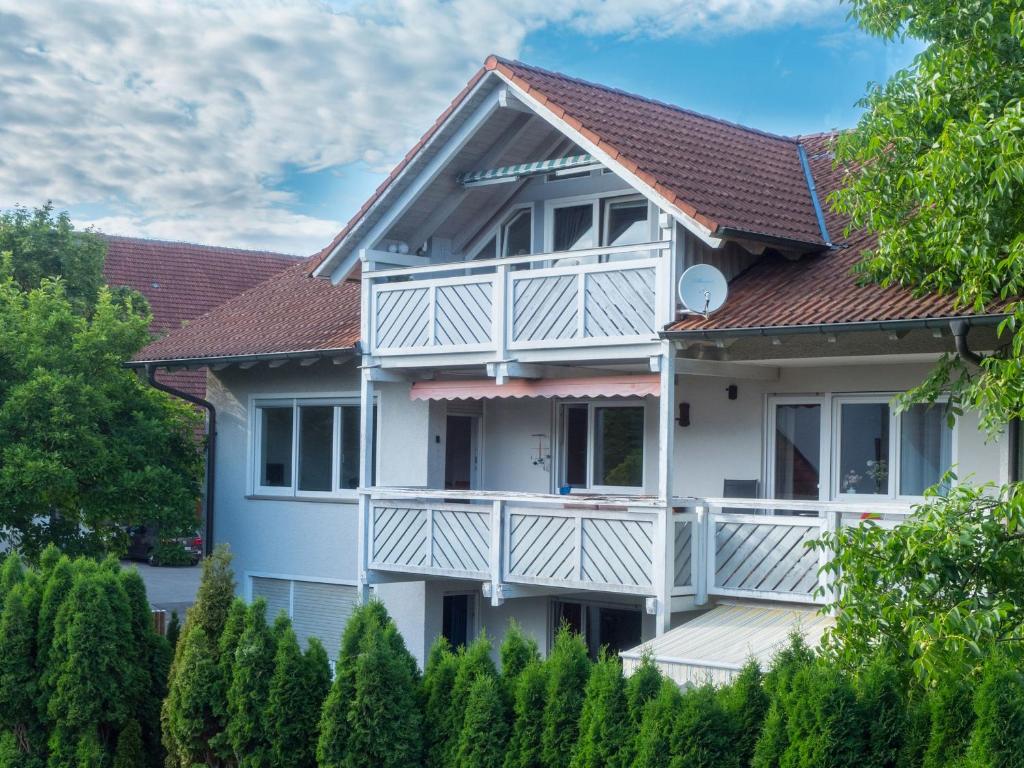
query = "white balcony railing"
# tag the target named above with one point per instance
(754, 548)
(527, 302)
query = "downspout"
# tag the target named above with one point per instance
(211, 447)
(960, 329)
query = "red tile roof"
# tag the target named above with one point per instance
(291, 312)
(817, 289)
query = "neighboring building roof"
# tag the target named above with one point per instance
(820, 289)
(289, 313)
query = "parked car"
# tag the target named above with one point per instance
(145, 544)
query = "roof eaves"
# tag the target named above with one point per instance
(824, 328)
(184, 362)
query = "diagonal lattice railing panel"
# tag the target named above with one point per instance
(402, 318)
(460, 541)
(620, 303)
(400, 535)
(462, 314)
(617, 551)
(766, 557)
(683, 554)
(542, 546)
(544, 308)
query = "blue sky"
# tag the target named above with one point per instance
(268, 124)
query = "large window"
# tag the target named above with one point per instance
(603, 446)
(307, 447)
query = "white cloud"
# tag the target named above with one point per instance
(181, 117)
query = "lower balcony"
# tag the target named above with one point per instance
(521, 543)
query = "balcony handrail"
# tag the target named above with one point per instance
(380, 493)
(608, 250)
(868, 505)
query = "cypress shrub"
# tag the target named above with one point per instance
(524, 749)
(438, 679)
(226, 646)
(18, 668)
(997, 740)
(216, 593)
(190, 713)
(55, 591)
(654, 739)
(11, 573)
(778, 684)
(297, 691)
(746, 704)
(474, 660)
(253, 667)
(604, 721)
(825, 725)
(517, 650)
(334, 718)
(702, 735)
(384, 718)
(881, 689)
(641, 687)
(173, 630)
(568, 668)
(130, 752)
(484, 736)
(951, 716)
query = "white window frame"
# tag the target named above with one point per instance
(562, 415)
(550, 206)
(831, 441)
(337, 402)
(606, 203)
(514, 214)
(498, 233)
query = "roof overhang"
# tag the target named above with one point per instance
(626, 385)
(340, 353)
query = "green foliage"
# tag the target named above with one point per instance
(190, 714)
(482, 741)
(517, 650)
(641, 687)
(951, 717)
(746, 705)
(247, 728)
(385, 721)
(297, 691)
(568, 668)
(170, 552)
(474, 660)
(945, 585)
(654, 739)
(702, 736)
(215, 597)
(129, 752)
(438, 679)
(998, 735)
(604, 729)
(524, 749)
(19, 671)
(86, 447)
(825, 724)
(334, 720)
(173, 631)
(773, 741)
(11, 573)
(881, 689)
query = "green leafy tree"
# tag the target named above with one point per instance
(385, 720)
(247, 728)
(604, 721)
(130, 752)
(702, 736)
(998, 735)
(297, 691)
(334, 720)
(438, 679)
(936, 176)
(745, 704)
(944, 585)
(568, 668)
(654, 739)
(86, 446)
(524, 748)
(484, 736)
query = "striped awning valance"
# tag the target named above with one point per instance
(526, 169)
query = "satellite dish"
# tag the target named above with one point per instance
(702, 289)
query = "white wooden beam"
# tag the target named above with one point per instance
(508, 100)
(219, 367)
(278, 362)
(691, 367)
(373, 259)
(377, 374)
(308, 361)
(247, 364)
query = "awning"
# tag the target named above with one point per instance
(526, 169)
(715, 645)
(627, 385)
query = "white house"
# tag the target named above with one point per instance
(484, 400)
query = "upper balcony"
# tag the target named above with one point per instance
(527, 307)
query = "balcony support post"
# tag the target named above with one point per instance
(702, 555)
(367, 440)
(664, 556)
(497, 537)
(499, 304)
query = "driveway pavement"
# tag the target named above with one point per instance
(172, 589)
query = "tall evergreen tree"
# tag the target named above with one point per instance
(825, 725)
(654, 740)
(297, 692)
(438, 679)
(130, 752)
(778, 684)
(517, 650)
(190, 718)
(56, 589)
(881, 689)
(531, 690)
(702, 736)
(385, 720)
(253, 666)
(604, 723)
(951, 717)
(642, 686)
(11, 573)
(746, 704)
(568, 668)
(334, 719)
(484, 736)
(474, 660)
(19, 673)
(997, 739)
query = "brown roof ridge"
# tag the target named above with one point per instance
(225, 248)
(640, 97)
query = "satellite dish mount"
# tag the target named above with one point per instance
(702, 290)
